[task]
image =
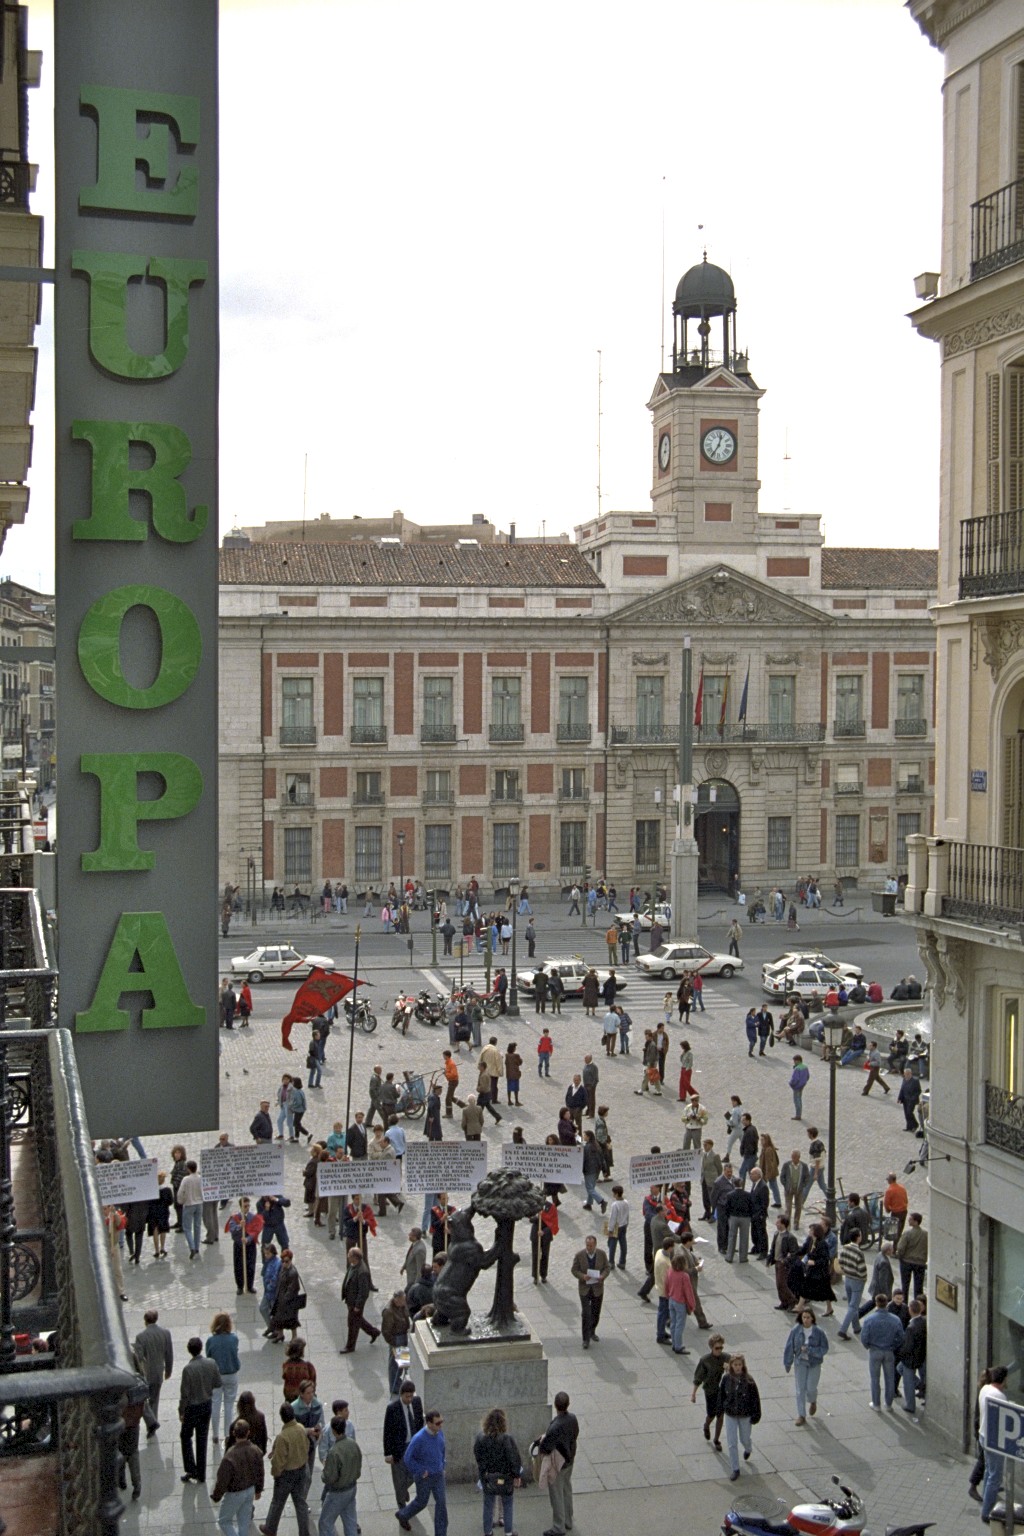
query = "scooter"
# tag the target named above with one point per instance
(760, 1516)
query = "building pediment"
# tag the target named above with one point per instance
(720, 595)
(696, 380)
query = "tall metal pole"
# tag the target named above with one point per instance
(433, 927)
(512, 999)
(830, 1176)
(686, 738)
(352, 1028)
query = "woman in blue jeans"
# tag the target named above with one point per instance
(500, 1467)
(618, 1221)
(222, 1347)
(591, 1171)
(806, 1348)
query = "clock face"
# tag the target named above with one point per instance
(718, 445)
(664, 450)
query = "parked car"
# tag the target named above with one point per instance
(572, 972)
(662, 914)
(802, 981)
(671, 960)
(793, 960)
(277, 962)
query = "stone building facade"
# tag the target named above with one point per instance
(498, 708)
(966, 886)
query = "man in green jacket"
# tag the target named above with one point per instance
(288, 1461)
(340, 1474)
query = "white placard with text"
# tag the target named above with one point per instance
(545, 1165)
(230, 1172)
(444, 1165)
(121, 1183)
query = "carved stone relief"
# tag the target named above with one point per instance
(1001, 638)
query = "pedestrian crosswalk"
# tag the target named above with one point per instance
(643, 995)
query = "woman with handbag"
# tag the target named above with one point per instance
(289, 1299)
(740, 1402)
(810, 1276)
(500, 1467)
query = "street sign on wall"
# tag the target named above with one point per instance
(136, 554)
(1004, 1428)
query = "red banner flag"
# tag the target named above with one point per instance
(698, 708)
(320, 991)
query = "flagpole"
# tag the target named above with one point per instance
(352, 1033)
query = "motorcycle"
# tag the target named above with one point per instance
(431, 1010)
(402, 1013)
(360, 1015)
(490, 1002)
(844, 1516)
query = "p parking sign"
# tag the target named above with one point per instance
(1004, 1428)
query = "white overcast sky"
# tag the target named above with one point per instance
(435, 214)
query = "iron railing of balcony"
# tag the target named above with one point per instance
(437, 733)
(15, 180)
(911, 727)
(368, 797)
(297, 798)
(992, 554)
(507, 797)
(28, 977)
(849, 787)
(1004, 1120)
(910, 787)
(566, 731)
(736, 733)
(298, 736)
(569, 796)
(997, 230)
(985, 883)
(505, 732)
(368, 735)
(445, 797)
(645, 735)
(848, 728)
(60, 1407)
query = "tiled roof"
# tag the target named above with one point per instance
(407, 565)
(899, 569)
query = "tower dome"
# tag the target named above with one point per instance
(704, 290)
(703, 294)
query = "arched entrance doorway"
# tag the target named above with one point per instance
(717, 829)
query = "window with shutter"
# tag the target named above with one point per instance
(992, 444)
(1014, 439)
(1013, 821)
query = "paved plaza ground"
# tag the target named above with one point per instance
(642, 1452)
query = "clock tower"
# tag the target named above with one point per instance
(705, 422)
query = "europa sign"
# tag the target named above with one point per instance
(136, 528)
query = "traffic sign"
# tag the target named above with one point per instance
(1004, 1428)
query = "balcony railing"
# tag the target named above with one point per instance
(28, 977)
(571, 796)
(437, 797)
(737, 734)
(911, 787)
(997, 230)
(507, 797)
(911, 727)
(564, 731)
(296, 799)
(368, 735)
(984, 883)
(15, 181)
(437, 733)
(298, 736)
(1004, 1120)
(850, 787)
(848, 728)
(506, 732)
(368, 797)
(59, 1409)
(992, 554)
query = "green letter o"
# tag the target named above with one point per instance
(99, 647)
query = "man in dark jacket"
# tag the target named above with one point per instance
(262, 1127)
(239, 1480)
(576, 1101)
(759, 1200)
(155, 1351)
(856, 1219)
(355, 1138)
(721, 1190)
(561, 1435)
(911, 1356)
(355, 1293)
(740, 1209)
(909, 1096)
(540, 990)
(403, 1418)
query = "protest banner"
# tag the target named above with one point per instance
(664, 1168)
(230, 1172)
(121, 1183)
(545, 1165)
(366, 1176)
(444, 1165)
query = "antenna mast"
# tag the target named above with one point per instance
(599, 433)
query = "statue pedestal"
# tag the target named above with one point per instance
(467, 1380)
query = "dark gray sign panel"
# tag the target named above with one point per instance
(136, 528)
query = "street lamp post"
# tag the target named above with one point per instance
(401, 866)
(512, 999)
(833, 1035)
(433, 927)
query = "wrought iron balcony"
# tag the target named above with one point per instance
(507, 797)
(645, 735)
(997, 230)
(850, 787)
(368, 797)
(437, 733)
(738, 733)
(60, 1409)
(566, 731)
(438, 797)
(985, 884)
(848, 728)
(573, 796)
(297, 798)
(911, 727)
(506, 732)
(368, 735)
(28, 977)
(1004, 1120)
(911, 787)
(15, 181)
(992, 554)
(297, 736)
